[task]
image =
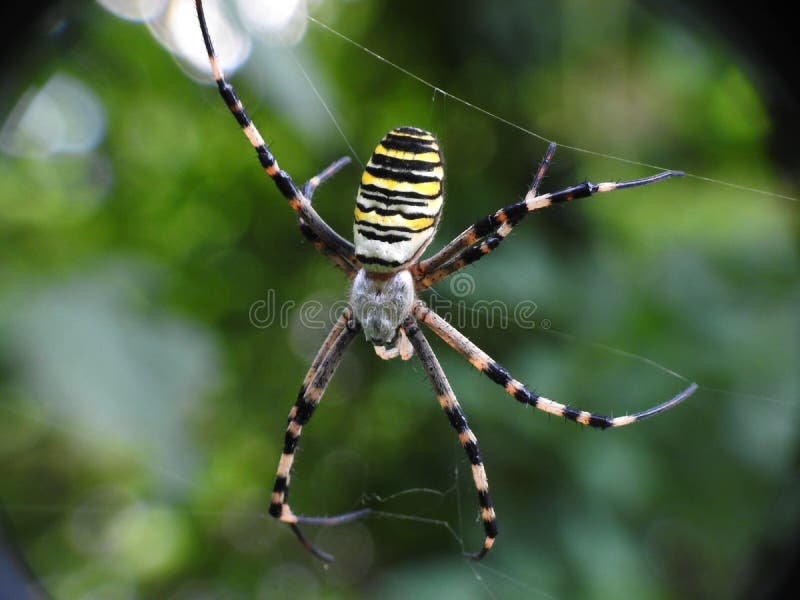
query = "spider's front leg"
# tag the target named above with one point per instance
(449, 403)
(319, 375)
(498, 374)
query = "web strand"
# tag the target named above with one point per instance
(437, 89)
(327, 108)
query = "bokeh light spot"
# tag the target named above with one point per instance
(63, 117)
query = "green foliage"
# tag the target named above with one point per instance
(142, 411)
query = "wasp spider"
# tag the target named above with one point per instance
(398, 207)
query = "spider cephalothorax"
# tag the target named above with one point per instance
(381, 304)
(398, 208)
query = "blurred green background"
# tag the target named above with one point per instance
(144, 391)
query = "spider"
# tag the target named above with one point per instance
(398, 208)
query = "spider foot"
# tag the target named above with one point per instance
(335, 520)
(476, 556)
(320, 554)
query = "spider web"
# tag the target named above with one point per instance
(437, 90)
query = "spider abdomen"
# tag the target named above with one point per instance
(399, 201)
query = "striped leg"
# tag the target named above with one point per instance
(452, 409)
(335, 244)
(344, 264)
(310, 186)
(483, 237)
(486, 365)
(542, 170)
(308, 190)
(483, 227)
(319, 375)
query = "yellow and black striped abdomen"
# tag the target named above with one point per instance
(399, 201)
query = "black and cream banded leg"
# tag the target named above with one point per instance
(486, 365)
(308, 189)
(313, 226)
(310, 186)
(475, 233)
(319, 375)
(486, 234)
(449, 403)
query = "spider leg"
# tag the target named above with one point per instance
(308, 190)
(343, 264)
(316, 381)
(310, 186)
(485, 235)
(447, 400)
(486, 365)
(483, 227)
(332, 242)
(542, 170)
